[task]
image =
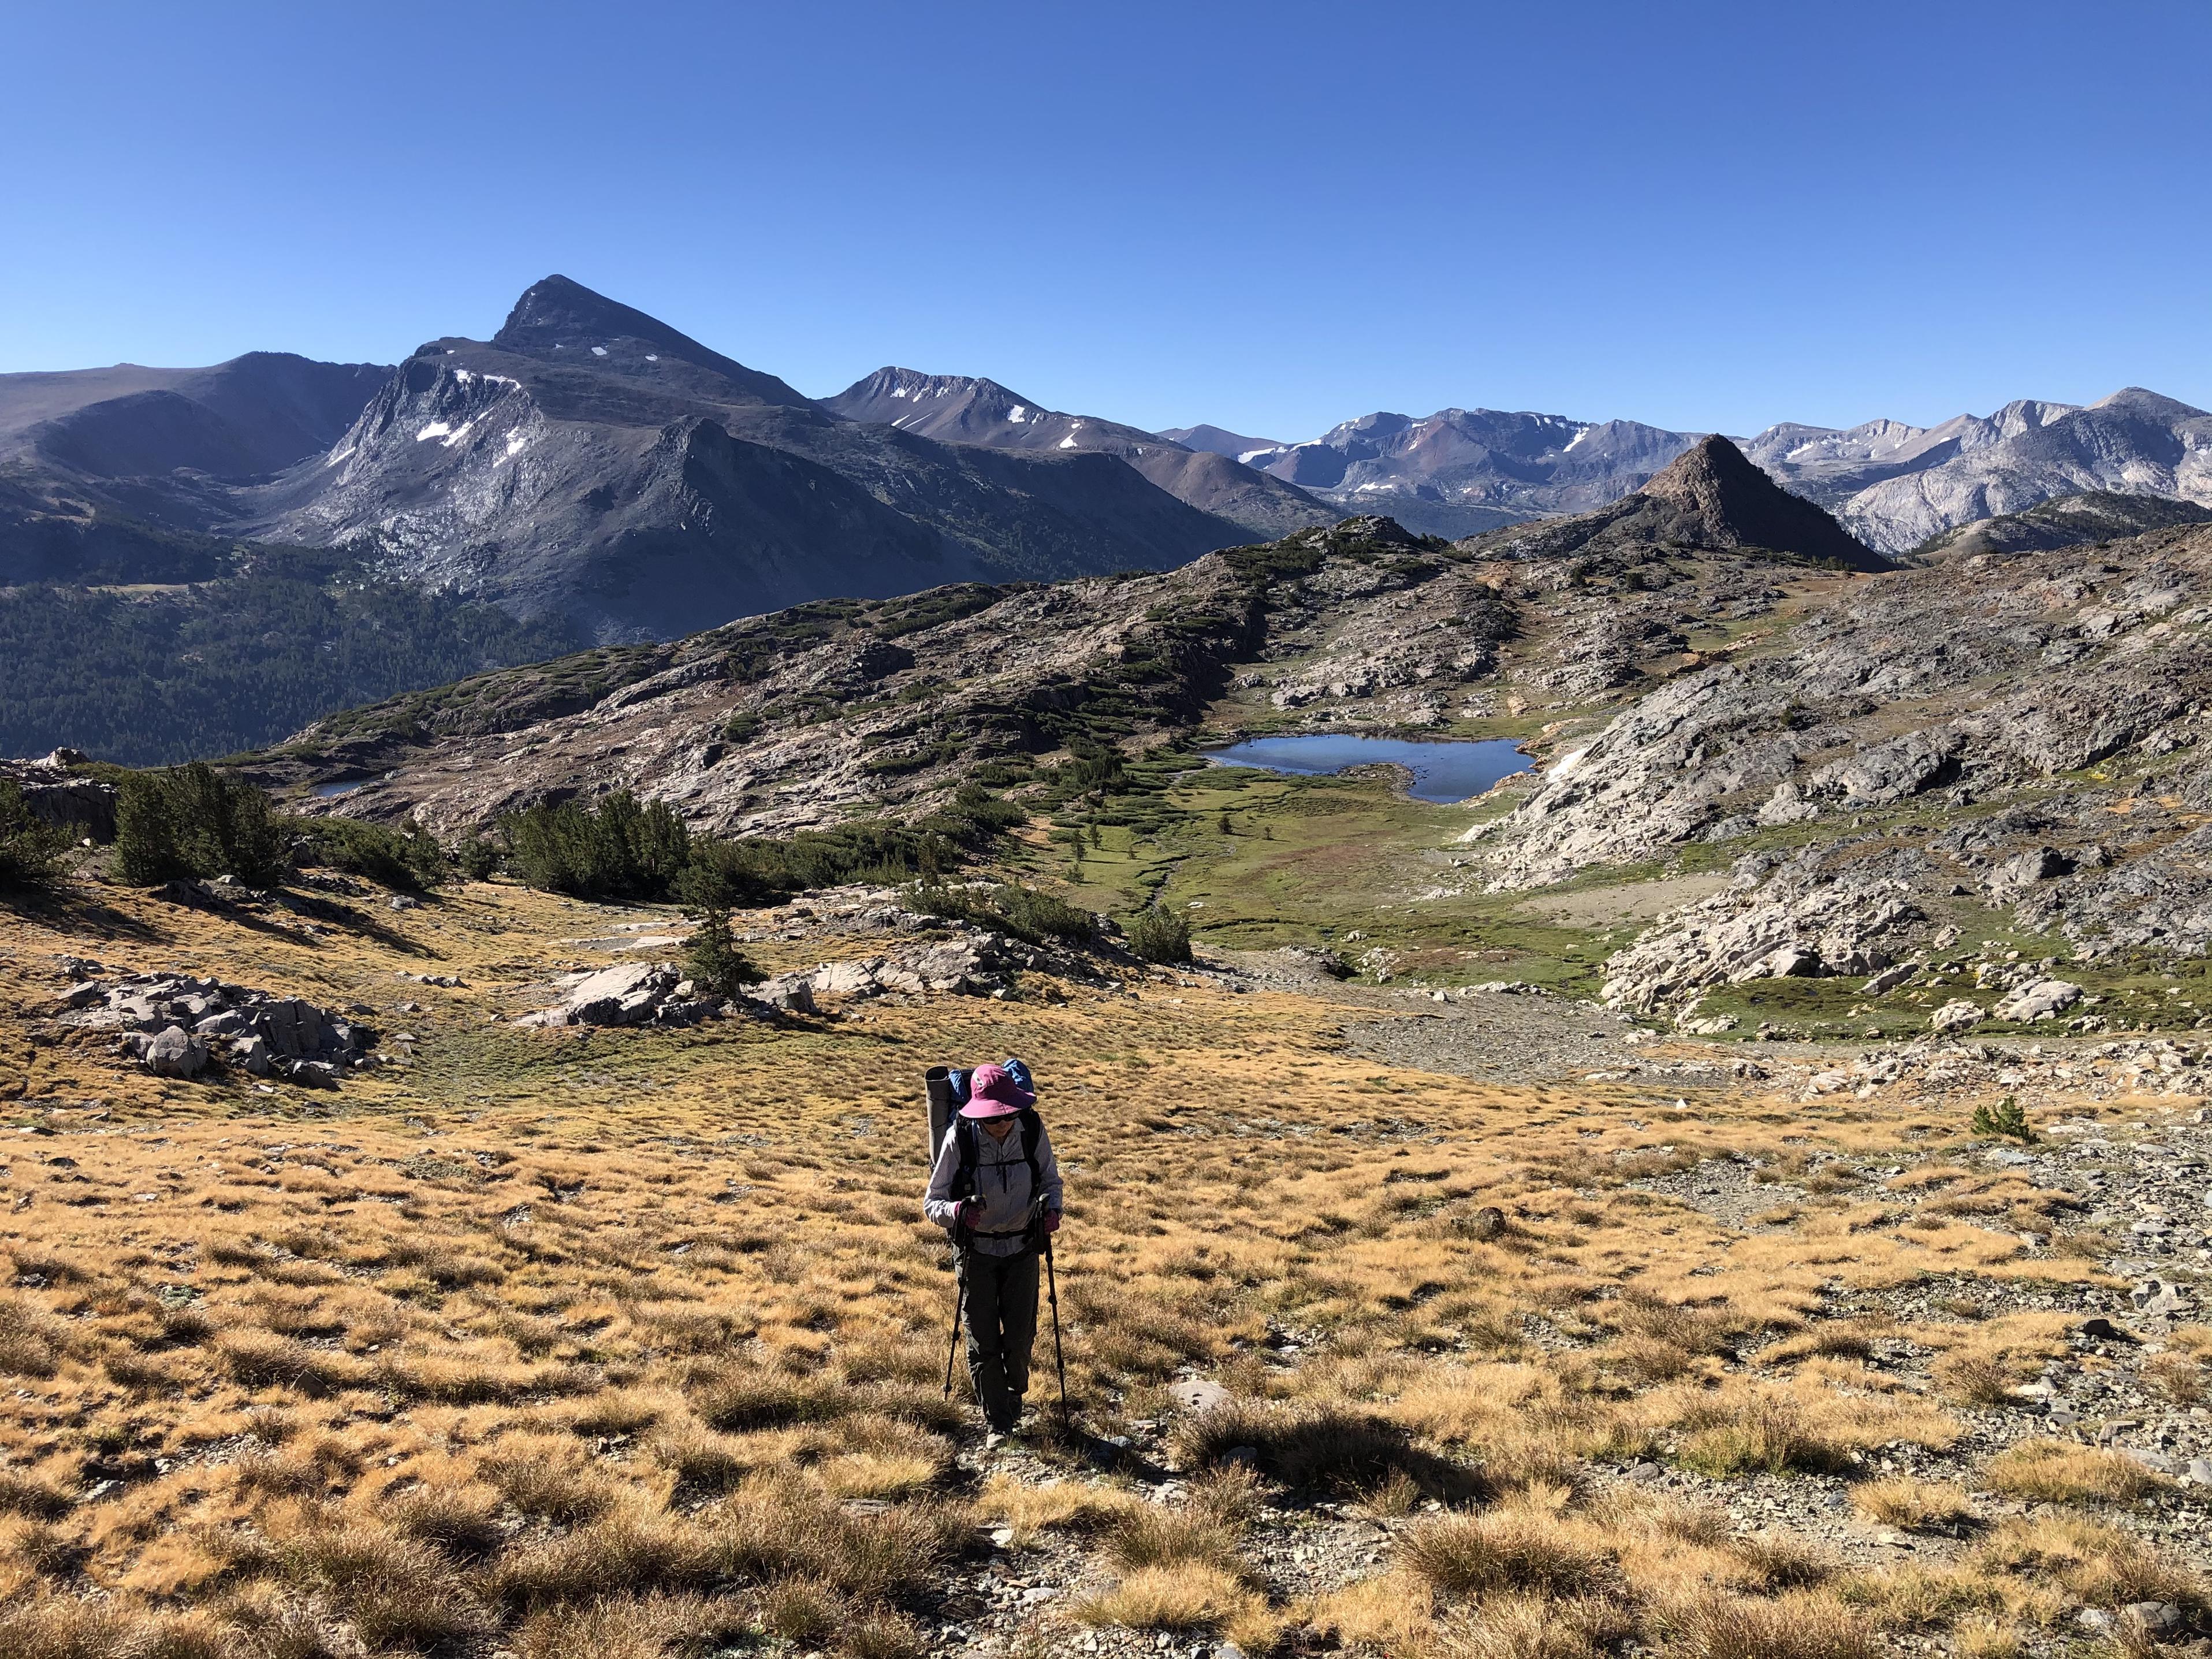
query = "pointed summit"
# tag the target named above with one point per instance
(1709, 497)
(1712, 495)
(560, 320)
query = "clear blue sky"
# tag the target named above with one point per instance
(1271, 216)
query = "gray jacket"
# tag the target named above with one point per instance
(1001, 1187)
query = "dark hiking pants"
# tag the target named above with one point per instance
(999, 1325)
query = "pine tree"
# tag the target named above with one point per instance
(713, 959)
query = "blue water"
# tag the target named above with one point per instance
(327, 790)
(1442, 772)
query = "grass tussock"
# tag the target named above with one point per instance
(1916, 1505)
(2091, 1560)
(2055, 1472)
(1798, 1625)
(1523, 1549)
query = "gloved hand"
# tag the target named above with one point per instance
(1052, 1221)
(971, 1211)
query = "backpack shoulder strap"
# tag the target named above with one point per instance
(1032, 1128)
(963, 1138)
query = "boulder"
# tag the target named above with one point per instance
(1955, 1015)
(1890, 978)
(627, 994)
(293, 1028)
(1891, 771)
(174, 1052)
(1197, 1395)
(843, 979)
(2022, 870)
(2046, 999)
(248, 1027)
(792, 993)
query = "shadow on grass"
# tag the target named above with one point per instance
(1323, 1449)
(68, 907)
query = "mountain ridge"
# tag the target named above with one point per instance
(1894, 485)
(968, 409)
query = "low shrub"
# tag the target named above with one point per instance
(1155, 1537)
(2090, 1560)
(31, 1341)
(1974, 1379)
(2006, 1119)
(1916, 1505)
(622, 848)
(24, 1493)
(1022, 912)
(1322, 1448)
(1159, 935)
(1764, 1434)
(477, 857)
(409, 857)
(1800, 1625)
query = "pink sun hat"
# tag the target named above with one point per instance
(992, 1093)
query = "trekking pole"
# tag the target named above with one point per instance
(959, 1301)
(1052, 1295)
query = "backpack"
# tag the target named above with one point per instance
(947, 1088)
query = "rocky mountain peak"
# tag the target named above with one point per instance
(560, 321)
(1712, 495)
(1710, 476)
(2137, 400)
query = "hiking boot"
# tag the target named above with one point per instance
(994, 1439)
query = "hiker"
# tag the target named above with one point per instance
(996, 1187)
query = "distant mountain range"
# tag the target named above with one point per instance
(274, 530)
(1896, 485)
(1462, 471)
(591, 465)
(872, 706)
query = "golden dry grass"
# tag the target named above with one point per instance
(1916, 1505)
(2055, 1472)
(614, 1342)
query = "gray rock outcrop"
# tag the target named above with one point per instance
(178, 1024)
(629, 993)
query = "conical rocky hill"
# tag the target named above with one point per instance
(1709, 498)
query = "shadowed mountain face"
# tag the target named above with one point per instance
(590, 462)
(958, 409)
(255, 414)
(1709, 498)
(105, 473)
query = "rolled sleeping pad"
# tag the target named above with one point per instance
(947, 1091)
